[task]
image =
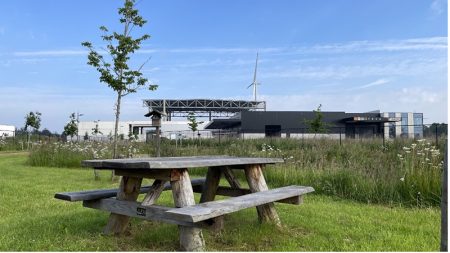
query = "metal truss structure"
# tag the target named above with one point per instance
(203, 107)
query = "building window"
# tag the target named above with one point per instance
(404, 122)
(418, 125)
(391, 130)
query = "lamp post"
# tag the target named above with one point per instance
(78, 125)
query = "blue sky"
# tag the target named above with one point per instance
(352, 56)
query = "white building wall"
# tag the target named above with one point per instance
(386, 125)
(7, 131)
(410, 125)
(398, 125)
(168, 128)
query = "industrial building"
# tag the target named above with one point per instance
(249, 119)
(7, 131)
(295, 124)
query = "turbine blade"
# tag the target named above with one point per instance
(249, 86)
(256, 68)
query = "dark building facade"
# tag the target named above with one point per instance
(296, 123)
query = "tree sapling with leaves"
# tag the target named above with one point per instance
(32, 119)
(317, 125)
(193, 124)
(71, 128)
(117, 73)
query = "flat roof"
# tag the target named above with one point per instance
(203, 105)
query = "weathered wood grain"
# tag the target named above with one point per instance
(208, 210)
(257, 183)
(136, 210)
(154, 192)
(129, 190)
(232, 192)
(209, 193)
(108, 193)
(210, 186)
(191, 238)
(165, 175)
(177, 162)
(231, 178)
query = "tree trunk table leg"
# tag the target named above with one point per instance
(257, 183)
(231, 178)
(191, 238)
(128, 190)
(154, 192)
(211, 184)
(209, 193)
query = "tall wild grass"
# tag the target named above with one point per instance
(404, 172)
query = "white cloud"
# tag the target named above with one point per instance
(374, 83)
(48, 53)
(438, 7)
(430, 43)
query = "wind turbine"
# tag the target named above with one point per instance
(255, 83)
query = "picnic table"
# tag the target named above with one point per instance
(172, 173)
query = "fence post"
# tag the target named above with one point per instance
(340, 136)
(444, 204)
(436, 133)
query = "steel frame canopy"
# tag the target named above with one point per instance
(203, 107)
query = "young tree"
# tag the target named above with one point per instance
(317, 125)
(32, 119)
(96, 131)
(71, 128)
(193, 124)
(116, 73)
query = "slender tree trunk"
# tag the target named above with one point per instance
(116, 126)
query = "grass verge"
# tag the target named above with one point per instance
(32, 220)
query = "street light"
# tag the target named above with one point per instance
(78, 124)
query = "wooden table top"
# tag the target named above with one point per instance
(177, 162)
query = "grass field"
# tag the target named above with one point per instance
(32, 220)
(402, 172)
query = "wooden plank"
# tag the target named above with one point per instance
(232, 192)
(136, 210)
(216, 208)
(165, 175)
(129, 190)
(108, 193)
(99, 162)
(191, 238)
(257, 183)
(177, 163)
(154, 192)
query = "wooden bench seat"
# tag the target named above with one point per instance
(208, 210)
(199, 215)
(108, 193)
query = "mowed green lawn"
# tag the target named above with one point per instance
(32, 220)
